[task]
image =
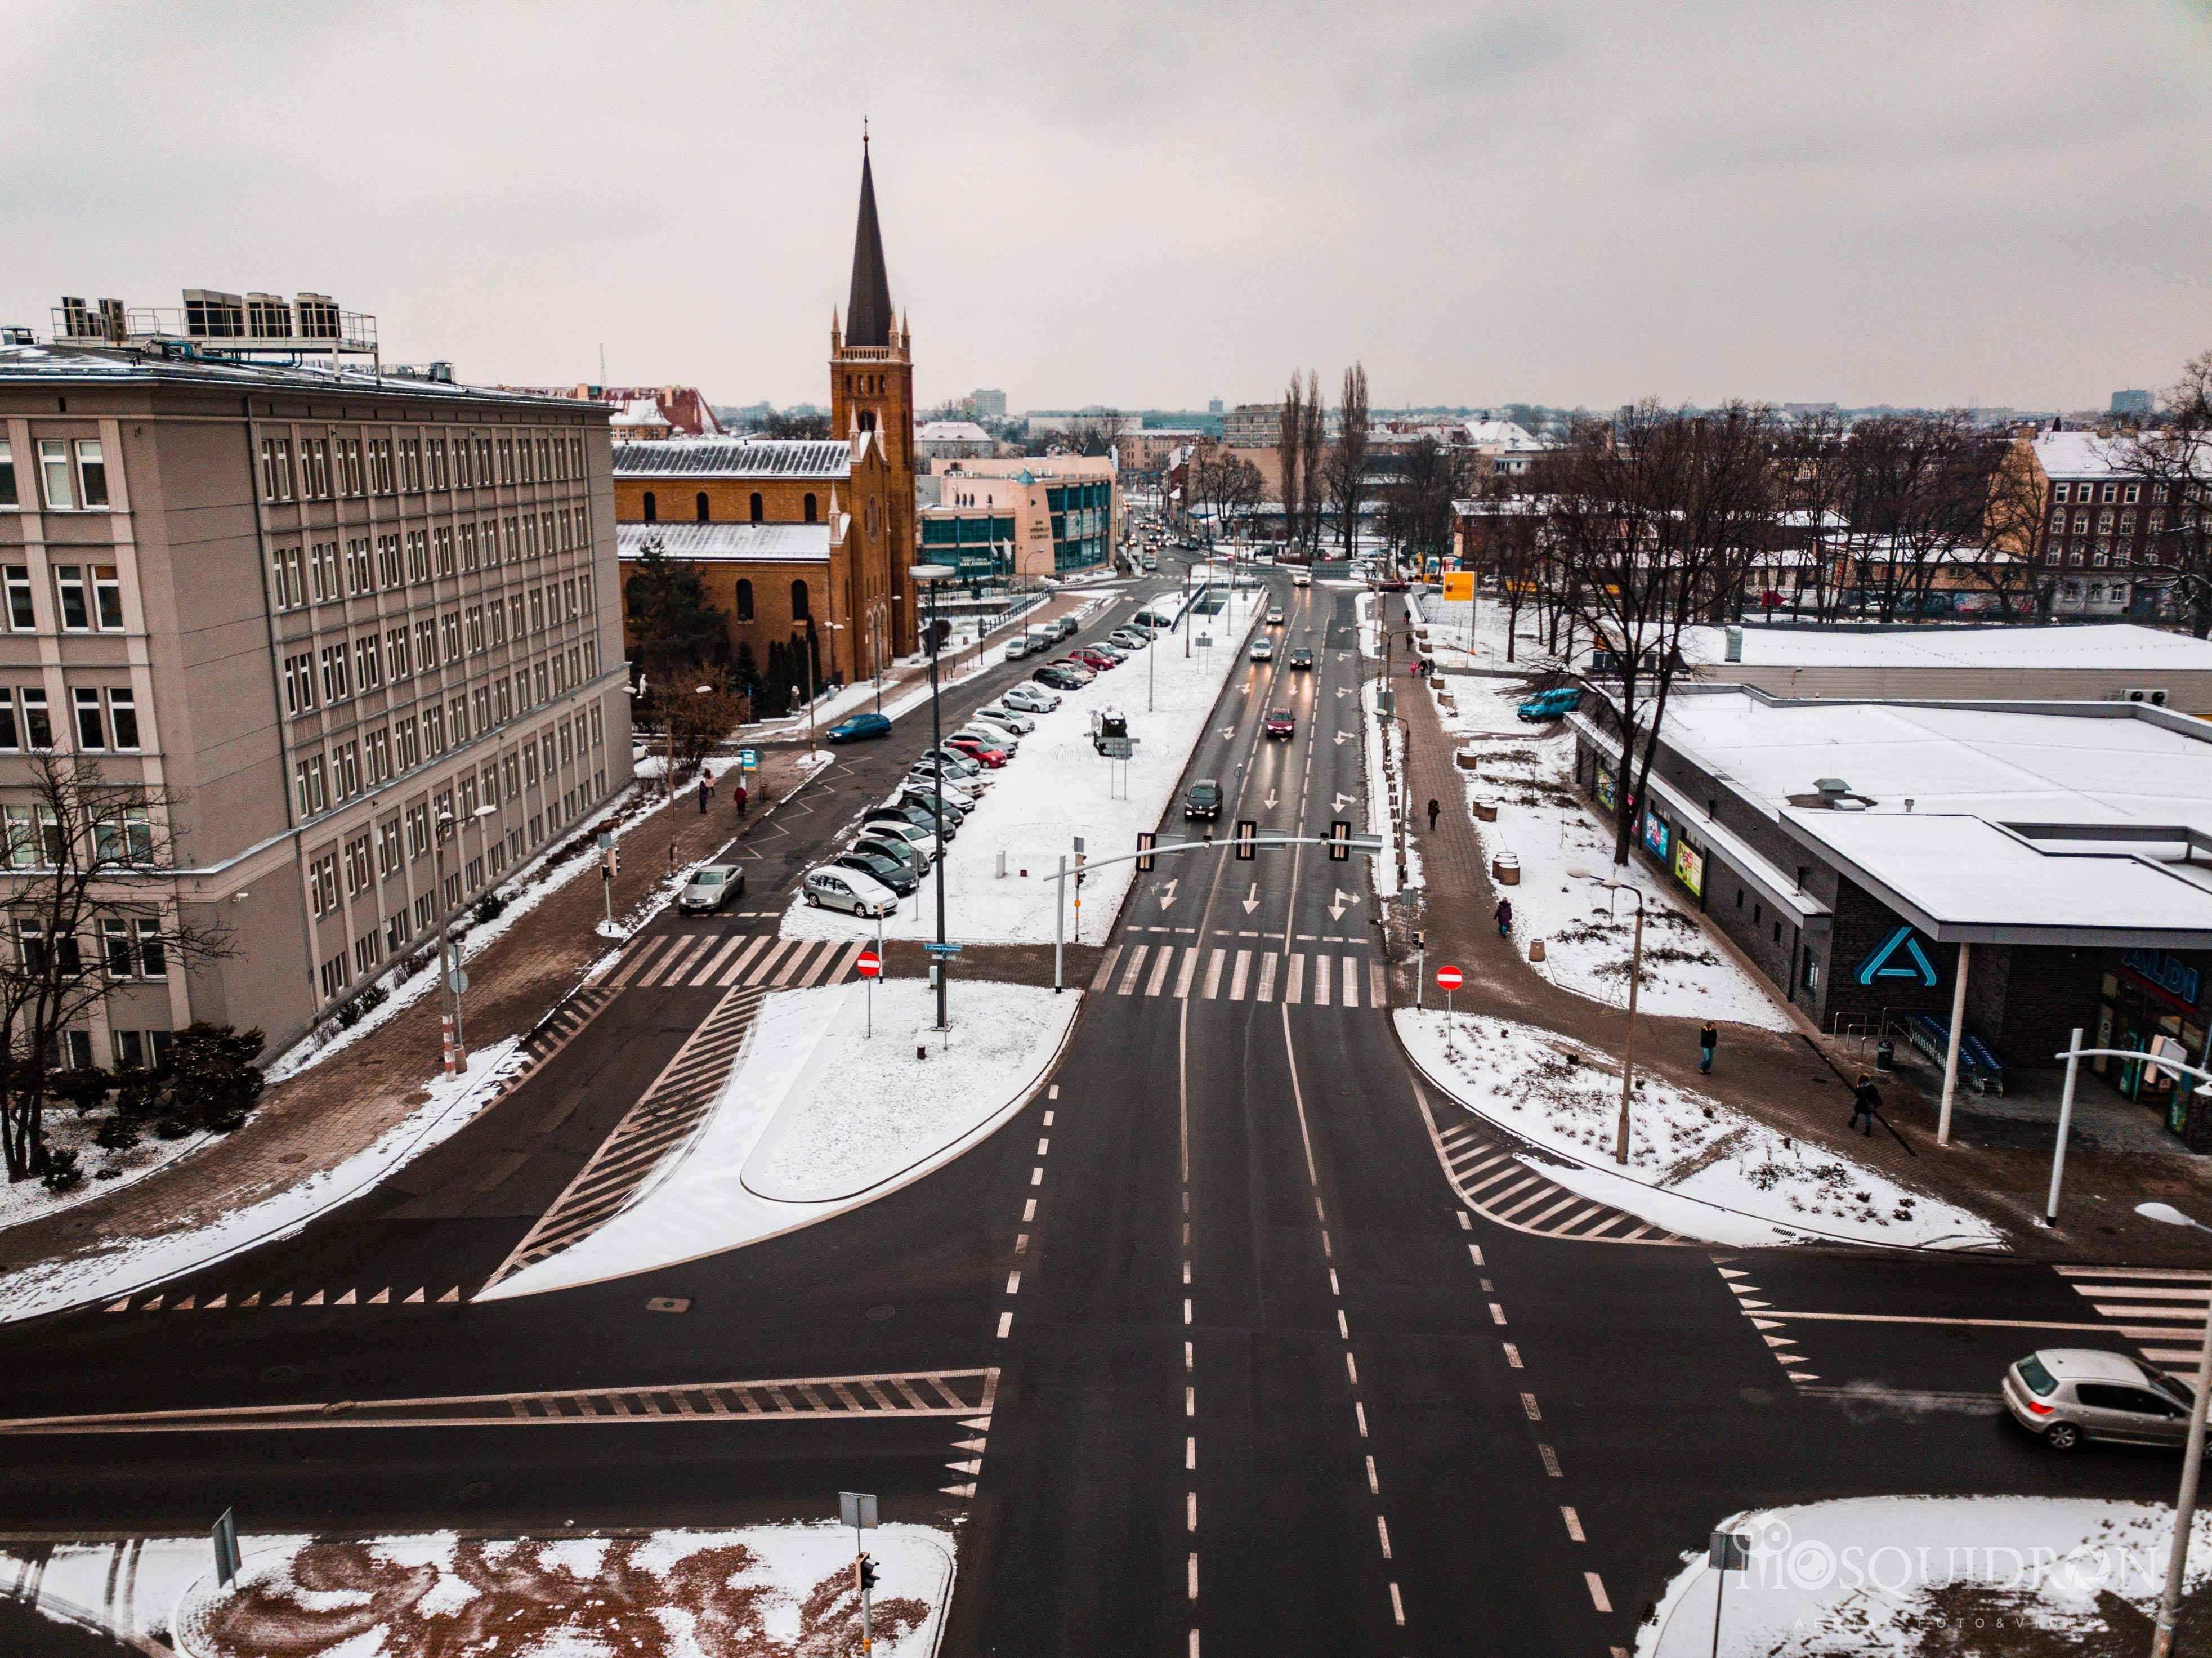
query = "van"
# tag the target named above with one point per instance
(1064, 627)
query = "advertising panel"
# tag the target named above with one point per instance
(1690, 867)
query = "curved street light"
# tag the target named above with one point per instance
(1635, 974)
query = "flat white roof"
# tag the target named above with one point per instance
(2115, 645)
(729, 543)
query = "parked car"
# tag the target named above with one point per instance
(1202, 799)
(916, 792)
(1005, 719)
(1028, 699)
(711, 886)
(1060, 678)
(1128, 639)
(1018, 648)
(988, 757)
(1099, 658)
(1301, 658)
(1552, 705)
(1274, 615)
(955, 762)
(1263, 650)
(902, 813)
(991, 736)
(854, 891)
(897, 831)
(883, 865)
(2067, 1395)
(855, 728)
(956, 789)
(1064, 626)
(1280, 723)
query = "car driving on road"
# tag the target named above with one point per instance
(1280, 723)
(1301, 658)
(1202, 799)
(2067, 1395)
(855, 728)
(711, 886)
(1274, 615)
(1262, 650)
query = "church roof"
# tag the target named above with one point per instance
(868, 313)
(729, 543)
(781, 457)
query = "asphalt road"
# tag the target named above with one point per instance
(1259, 1379)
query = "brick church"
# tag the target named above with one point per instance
(791, 537)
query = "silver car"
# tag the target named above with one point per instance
(1030, 699)
(2067, 1395)
(1006, 719)
(711, 886)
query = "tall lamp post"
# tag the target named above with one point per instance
(1635, 974)
(2192, 1461)
(929, 575)
(456, 1043)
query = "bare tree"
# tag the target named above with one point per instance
(1657, 515)
(1430, 477)
(90, 866)
(1241, 487)
(1310, 461)
(1089, 434)
(2173, 461)
(1290, 450)
(1346, 466)
(1809, 463)
(1917, 489)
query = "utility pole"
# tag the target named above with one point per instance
(929, 575)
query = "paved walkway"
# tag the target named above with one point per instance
(1796, 1082)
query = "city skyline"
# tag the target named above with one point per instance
(1484, 208)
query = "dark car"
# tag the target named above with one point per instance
(888, 845)
(882, 867)
(854, 727)
(1280, 723)
(1202, 799)
(919, 793)
(1393, 584)
(1060, 678)
(901, 812)
(1301, 658)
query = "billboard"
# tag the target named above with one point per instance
(1690, 867)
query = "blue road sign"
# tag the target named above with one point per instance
(748, 759)
(942, 950)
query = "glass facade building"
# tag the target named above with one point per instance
(980, 546)
(1082, 515)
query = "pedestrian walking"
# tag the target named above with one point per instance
(1504, 917)
(1433, 810)
(1708, 1040)
(706, 794)
(1865, 1102)
(741, 800)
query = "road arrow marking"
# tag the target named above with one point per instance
(1251, 900)
(1167, 897)
(1229, 731)
(1342, 738)
(1342, 900)
(1344, 691)
(1342, 801)
(1270, 801)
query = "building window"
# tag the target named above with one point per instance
(38, 726)
(21, 615)
(107, 598)
(122, 712)
(9, 498)
(744, 595)
(652, 508)
(799, 597)
(91, 473)
(54, 474)
(759, 514)
(68, 583)
(812, 512)
(703, 514)
(91, 729)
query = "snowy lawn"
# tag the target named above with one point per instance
(770, 1591)
(1920, 1576)
(1455, 645)
(104, 1171)
(1587, 931)
(818, 1118)
(1059, 787)
(1695, 1166)
(449, 1105)
(1382, 792)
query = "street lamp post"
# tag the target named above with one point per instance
(2192, 1461)
(456, 1041)
(929, 575)
(1635, 974)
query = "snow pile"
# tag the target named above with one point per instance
(1695, 1166)
(818, 1118)
(1059, 786)
(1918, 1576)
(769, 1591)
(1384, 783)
(450, 1102)
(1587, 931)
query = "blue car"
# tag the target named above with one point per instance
(1552, 705)
(855, 728)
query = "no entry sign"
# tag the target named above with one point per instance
(1449, 978)
(868, 964)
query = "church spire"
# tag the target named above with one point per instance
(868, 313)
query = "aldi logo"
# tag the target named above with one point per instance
(1897, 956)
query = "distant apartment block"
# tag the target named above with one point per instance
(2134, 402)
(989, 405)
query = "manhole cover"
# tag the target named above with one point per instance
(878, 1314)
(292, 1156)
(669, 1304)
(281, 1373)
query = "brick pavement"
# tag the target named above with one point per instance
(1796, 1082)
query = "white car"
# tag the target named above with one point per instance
(1030, 699)
(1262, 650)
(1302, 577)
(955, 793)
(914, 834)
(836, 886)
(1006, 721)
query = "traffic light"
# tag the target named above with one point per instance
(1339, 841)
(864, 1575)
(934, 633)
(1145, 838)
(613, 863)
(1246, 828)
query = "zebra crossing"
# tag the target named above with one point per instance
(724, 961)
(1492, 1180)
(659, 1126)
(1227, 972)
(423, 1294)
(2160, 1310)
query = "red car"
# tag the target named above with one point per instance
(980, 753)
(1280, 723)
(1097, 661)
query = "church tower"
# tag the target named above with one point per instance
(871, 391)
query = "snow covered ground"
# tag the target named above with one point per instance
(1382, 791)
(1695, 1165)
(1586, 930)
(818, 1118)
(1059, 787)
(449, 1105)
(65, 1131)
(769, 1591)
(1455, 645)
(1919, 1576)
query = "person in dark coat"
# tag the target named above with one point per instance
(706, 794)
(1434, 809)
(1504, 917)
(1708, 1040)
(1865, 1102)
(737, 792)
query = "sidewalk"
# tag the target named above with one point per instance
(1796, 1082)
(343, 1104)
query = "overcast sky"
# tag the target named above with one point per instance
(1155, 204)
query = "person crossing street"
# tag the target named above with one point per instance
(1708, 1040)
(1866, 1103)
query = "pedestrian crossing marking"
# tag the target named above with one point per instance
(1490, 1178)
(730, 948)
(1238, 975)
(1268, 976)
(1189, 967)
(718, 960)
(1213, 967)
(2159, 1311)
(1136, 966)
(1105, 975)
(1297, 990)
(1161, 963)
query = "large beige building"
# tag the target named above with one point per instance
(1022, 517)
(325, 610)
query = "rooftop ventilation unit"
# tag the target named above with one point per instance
(319, 317)
(267, 316)
(209, 315)
(1832, 788)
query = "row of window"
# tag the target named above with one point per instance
(34, 839)
(701, 511)
(2104, 552)
(313, 574)
(72, 475)
(426, 642)
(323, 469)
(87, 597)
(147, 1048)
(359, 764)
(106, 717)
(742, 598)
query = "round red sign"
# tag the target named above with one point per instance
(868, 964)
(1449, 978)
